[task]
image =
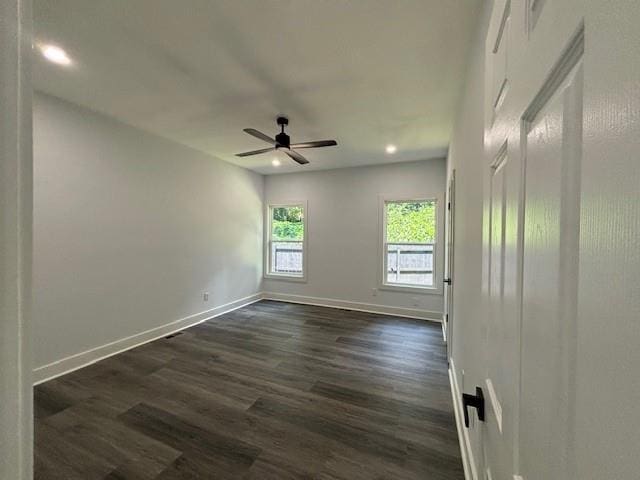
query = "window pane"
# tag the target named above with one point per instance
(287, 237)
(410, 238)
(287, 223)
(410, 264)
(286, 257)
(411, 222)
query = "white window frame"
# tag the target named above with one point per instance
(436, 288)
(267, 242)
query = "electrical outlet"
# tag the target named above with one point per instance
(415, 301)
(205, 297)
(374, 292)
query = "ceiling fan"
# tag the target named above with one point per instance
(282, 142)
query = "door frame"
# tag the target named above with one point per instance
(447, 321)
(16, 199)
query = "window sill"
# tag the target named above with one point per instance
(411, 289)
(285, 278)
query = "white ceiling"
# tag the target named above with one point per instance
(365, 72)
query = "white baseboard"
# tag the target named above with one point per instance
(444, 329)
(468, 462)
(360, 307)
(82, 359)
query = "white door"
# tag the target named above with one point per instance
(558, 76)
(502, 212)
(448, 280)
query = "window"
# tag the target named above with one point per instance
(409, 238)
(286, 241)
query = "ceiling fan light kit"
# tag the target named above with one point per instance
(282, 141)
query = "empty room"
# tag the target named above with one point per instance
(319, 239)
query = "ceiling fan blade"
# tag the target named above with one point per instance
(296, 156)
(319, 143)
(255, 133)
(255, 152)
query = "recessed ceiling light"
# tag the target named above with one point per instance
(275, 162)
(391, 149)
(55, 54)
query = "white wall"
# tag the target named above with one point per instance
(343, 232)
(130, 230)
(466, 157)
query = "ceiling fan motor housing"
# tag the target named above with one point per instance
(282, 140)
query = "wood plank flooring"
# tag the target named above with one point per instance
(269, 391)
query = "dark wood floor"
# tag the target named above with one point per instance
(270, 391)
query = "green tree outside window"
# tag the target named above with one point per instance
(411, 222)
(287, 223)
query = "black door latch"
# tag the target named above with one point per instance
(476, 401)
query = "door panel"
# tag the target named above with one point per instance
(499, 83)
(499, 357)
(495, 326)
(552, 147)
(500, 384)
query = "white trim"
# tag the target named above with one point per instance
(495, 404)
(267, 242)
(449, 259)
(392, 287)
(561, 74)
(358, 306)
(532, 15)
(88, 357)
(468, 462)
(506, 13)
(444, 328)
(16, 240)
